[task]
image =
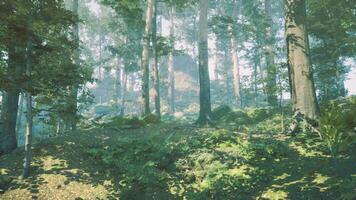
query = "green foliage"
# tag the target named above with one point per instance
(5, 180)
(207, 165)
(246, 116)
(337, 124)
(151, 119)
(120, 122)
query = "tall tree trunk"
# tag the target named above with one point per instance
(299, 60)
(340, 84)
(145, 59)
(74, 88)
(156, 84)
(229, 78)
(16, 63)
(19, 119)
(205, 115)
(100, 57)
(255, 85)
(117, 85)
(123, 90)
(216, 64)
(29, 117)
(235, 58)
(271, 83)
(171, 78)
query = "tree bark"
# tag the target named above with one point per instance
(171, 78)
(19, 119)
(117, 86)
(235, 58)
(205, 115)
(145, 60)
(29, 117)
(271, 82)
(16, 63)
(229, 78)
(123, 90)
(156, 80)
(76, 62)
(299, 60)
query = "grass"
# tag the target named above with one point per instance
(180, 161)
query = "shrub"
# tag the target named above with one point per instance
(151, 119)
(337, 124)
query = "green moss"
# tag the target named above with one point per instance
(151, 119)
(120, 122)
(5, 180)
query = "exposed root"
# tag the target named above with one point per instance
(300, 119)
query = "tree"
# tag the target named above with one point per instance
(271, 83)
(145, 59)
(52, 71)
(74, 90)
(331, 26)
(205, 114)
(171, 79)
(300, 69)
(234, 56)
(156, 84)
(16, 45)
(29, 116)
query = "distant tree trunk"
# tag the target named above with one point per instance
(235, 58)
(74, 89)
(19, 118)
(271, 82)
(117, 86)
(156, 81)
(228, 77)
(205, 115)
(216, 67)
(29, 117)
(340, 84)
(171, 78)
(255, 84)
(123, 90)
(299, 60)
(100, 57)
(145, 59)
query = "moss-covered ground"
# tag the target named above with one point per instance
(180, 161)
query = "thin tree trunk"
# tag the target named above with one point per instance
(271, 82)
(205, 115)
(299, 59)
(145, 101)
(100, 57)
(235, 58)
(123, 91)
(171, 77)
(255, 85)
(216, 66)
(156, 81)
(19, 118)
(117, 86)
(29, 117)
(74, 89)
(229, 78)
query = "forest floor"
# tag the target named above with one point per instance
(179, 160)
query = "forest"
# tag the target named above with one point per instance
(177, 99)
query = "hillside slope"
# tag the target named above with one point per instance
(179, 161)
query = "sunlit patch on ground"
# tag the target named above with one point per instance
(50, 163)
(56, 187)
(274, 194)
(177, 161)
